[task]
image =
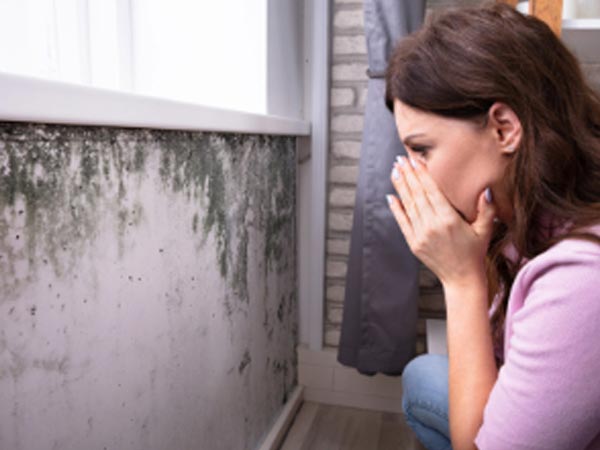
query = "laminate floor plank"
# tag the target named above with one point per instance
(319, 426)
(300, 427)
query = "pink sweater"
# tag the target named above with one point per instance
(547, 395)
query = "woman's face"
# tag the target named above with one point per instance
(463, 158)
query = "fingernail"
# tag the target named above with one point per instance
(413, 163)
(395, 174)
(488, 195)
(400, 160)
(389, 199)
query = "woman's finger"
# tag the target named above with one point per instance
(407, 198)
(416, 187)
(437, 199)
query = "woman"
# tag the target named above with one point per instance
(501, 200)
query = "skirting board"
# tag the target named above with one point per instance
(274, 438)
(325, 380)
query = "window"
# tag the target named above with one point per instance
(208, 52)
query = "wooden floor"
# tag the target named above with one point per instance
(326, 427)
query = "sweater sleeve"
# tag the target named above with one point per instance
(547, 395)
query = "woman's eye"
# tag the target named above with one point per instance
(420, 149)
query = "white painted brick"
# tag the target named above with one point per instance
(342, 97)
(344, 174)
(336, 269)
(340, 221)
(335, 293)
(342, 197)
(362, 97)
(338, 246)
(346, 149)
(334, 314)
(349, 18)
(349, 45)
(332, 337)
(349, 72)
(347, 123)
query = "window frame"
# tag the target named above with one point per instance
(35, 99)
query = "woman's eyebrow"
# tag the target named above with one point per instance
(408, 139)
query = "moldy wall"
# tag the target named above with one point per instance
(147, 287)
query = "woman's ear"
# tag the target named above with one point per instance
(506, 127)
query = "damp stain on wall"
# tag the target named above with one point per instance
(58, 183)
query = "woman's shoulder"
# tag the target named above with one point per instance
(575, 258)
(572, 246)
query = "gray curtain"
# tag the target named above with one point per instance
(379, 323)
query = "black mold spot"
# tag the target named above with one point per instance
(245, 361)
(32, 310)
(195, 223)
(280, 309)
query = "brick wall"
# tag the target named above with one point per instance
(348, 93)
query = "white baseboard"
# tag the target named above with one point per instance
(274, 438)
(325, 380)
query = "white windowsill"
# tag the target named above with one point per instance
(29, 99)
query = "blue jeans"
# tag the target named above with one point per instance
(425, 400)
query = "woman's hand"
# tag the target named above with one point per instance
(452, 248)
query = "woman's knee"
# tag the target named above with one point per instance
(425, 378)
(425, 392)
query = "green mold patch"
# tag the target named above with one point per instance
(58, 182)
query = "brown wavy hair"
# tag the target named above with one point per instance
(462, 61)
